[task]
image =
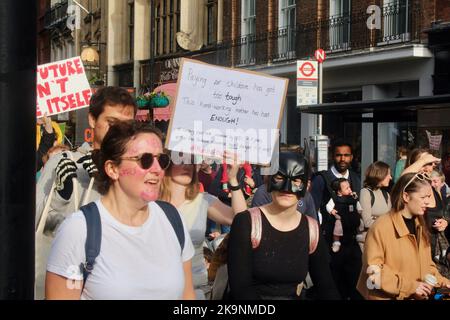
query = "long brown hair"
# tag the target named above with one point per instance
(192, 190)
(413, 185)
(375, 173)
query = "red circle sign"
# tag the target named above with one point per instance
(320, 55)
(307, 69)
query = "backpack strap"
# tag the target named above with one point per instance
(313, 227)
(327, 180)
(175, 220)
(385, 195)
(93, 238)
(256, 232)
(255, 215)
(372, 197)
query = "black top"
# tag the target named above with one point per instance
(410, 224)
(438, 212)
(278, 265)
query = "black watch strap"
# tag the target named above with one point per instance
(234, 188)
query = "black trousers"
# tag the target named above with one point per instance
(346, 265)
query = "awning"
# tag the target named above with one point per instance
(373, 106)
(142, 115)
(164, 114)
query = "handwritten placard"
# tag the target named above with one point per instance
(220, 109)
(62, 86)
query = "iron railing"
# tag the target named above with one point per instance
(400, 23)
(56, 15)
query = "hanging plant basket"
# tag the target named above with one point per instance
(142, 103)
(159, 102)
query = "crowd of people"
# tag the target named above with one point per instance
(122, 219)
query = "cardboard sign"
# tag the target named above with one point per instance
(220, 109)
(62, 86)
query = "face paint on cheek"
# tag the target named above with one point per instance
(127, 172)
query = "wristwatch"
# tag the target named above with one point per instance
(234, 188)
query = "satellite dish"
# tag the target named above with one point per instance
(184, 41)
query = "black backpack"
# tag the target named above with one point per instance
(94, 232)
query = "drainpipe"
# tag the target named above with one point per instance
(152, 43)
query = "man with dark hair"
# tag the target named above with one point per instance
(107, 105)
(345, 263)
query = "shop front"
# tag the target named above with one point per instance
(378, 128)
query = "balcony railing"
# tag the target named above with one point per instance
(340, 34)
(400, 24)
(56, 15)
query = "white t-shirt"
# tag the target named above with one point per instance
(135, 263)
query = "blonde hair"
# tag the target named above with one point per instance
(192, 190)
(437, 174)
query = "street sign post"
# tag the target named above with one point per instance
(307, 82)
(319, 142)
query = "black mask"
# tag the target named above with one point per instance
(291, 166)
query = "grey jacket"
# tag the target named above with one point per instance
(59, 207)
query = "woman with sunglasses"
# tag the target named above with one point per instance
(140, 256)
(181, 189)
(396, 258)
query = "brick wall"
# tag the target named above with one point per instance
(227, 20)
(443, 10)
(307, 11)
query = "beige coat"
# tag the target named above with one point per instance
(402, 259)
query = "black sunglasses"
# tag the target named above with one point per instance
(145, 160)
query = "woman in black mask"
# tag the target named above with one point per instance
(272, 248)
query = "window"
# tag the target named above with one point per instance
(339, 24)
(396, 19)
(286, 32)
(211, 9)
(248, 30)
(131, 30)
(167, 24)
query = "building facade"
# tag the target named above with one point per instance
(376, 51)
(77, 29)
(386, 70)
(43, 36)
